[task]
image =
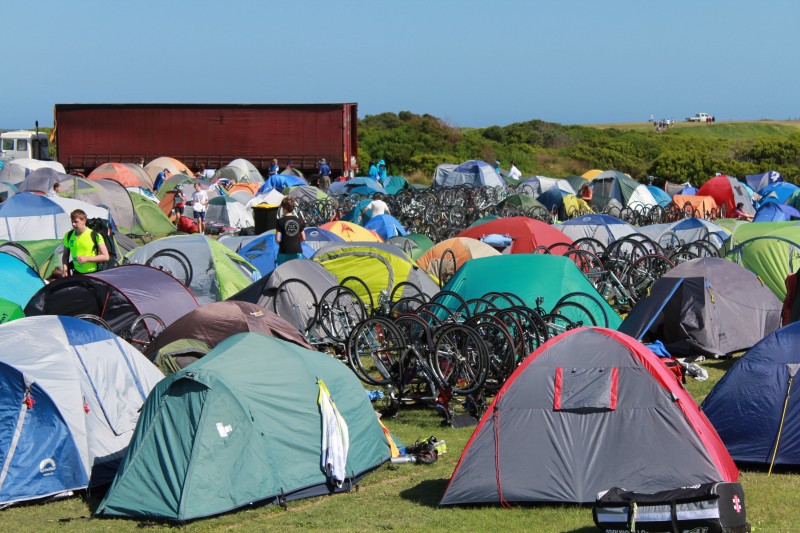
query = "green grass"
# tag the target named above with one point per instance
(405, 498)
(730, 131)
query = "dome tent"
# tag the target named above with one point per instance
(196, 333)
(559, 429)
(78, 388)
(217, 271)
(705, 306)
(250, 389)
(747, 405)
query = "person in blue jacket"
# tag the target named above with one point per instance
(382, 172)
(373, 170)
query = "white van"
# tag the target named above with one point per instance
(24, 144)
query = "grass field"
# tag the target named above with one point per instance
(405, 498)
(734, 130)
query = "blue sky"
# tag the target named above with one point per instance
(471, 63)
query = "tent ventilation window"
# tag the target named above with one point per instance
(585, 390)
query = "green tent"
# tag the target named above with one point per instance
(240, 426)
(395, 184)
(9, 311)
(530, 276)
(413, 244)
(771, 250)
(150, 218)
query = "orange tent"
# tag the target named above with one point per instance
(703, 205)
(351, 232)
(437, 258)
(160, 163)
(127, 174)
(252, 188)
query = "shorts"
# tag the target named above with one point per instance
(282, 258)
(179, 209)
(199, 215)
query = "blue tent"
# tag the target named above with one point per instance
(605, 228)
(386, 226)
(354, 215)
(662, 197)
(746, 405)
(759, 181)
(20, 281)
(690, 191)
(553, 200)
(42, 457)
(262, 252)
(775, 212)
(316, 238)
(473, 173)
(778, 192)
(280, 182)
(361, 185)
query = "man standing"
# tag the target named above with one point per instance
(86, 247)
(199, 203)
(514, 172)
(161, 177)
(324, 176)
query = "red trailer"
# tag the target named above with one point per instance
(88, 135)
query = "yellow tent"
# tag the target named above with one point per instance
(590, 174)
(351, 232)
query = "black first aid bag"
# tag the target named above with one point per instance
(706, 508)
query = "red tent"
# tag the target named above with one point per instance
(728, 192)
(527, 234)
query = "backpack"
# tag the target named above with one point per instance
(101, 228)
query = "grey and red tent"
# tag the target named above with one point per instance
(589, 410)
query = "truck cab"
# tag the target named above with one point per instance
(24, 144)
(699, 117)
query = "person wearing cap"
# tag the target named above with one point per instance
(382, 172)
(324, 175)
(161, 177)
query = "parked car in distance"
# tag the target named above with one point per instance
(700, 117)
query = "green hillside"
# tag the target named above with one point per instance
(413, 145)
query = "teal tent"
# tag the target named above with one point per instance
(241, 426)
(530, 276)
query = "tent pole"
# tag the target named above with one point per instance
(780, 427)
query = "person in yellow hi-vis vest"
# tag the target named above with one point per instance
(84, 245)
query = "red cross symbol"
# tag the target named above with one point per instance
(737, 506)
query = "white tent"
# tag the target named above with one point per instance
(96, 380)
(16, 170)
(31, 217)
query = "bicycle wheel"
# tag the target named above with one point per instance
(374, 349)
(645, 271)
(404, 287)
(362, 290)
(595, 304)
(459, 359)
(575, 312)
(338, 312)
(451, 300)
(173, 262)
(500, 348)
(558, 324)
(144, 331)
(94, 319)
(295, 301)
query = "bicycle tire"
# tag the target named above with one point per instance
(592, 303)
(144, 331)
(462, 303)
(173, 262)
(402, 285)
(500, 348)
(459, 359)
(94, 319)
(574, 312)
(349, 279)
(288, 308)
(338, 311)
(374, 349)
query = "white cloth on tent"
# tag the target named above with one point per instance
(335, 437)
